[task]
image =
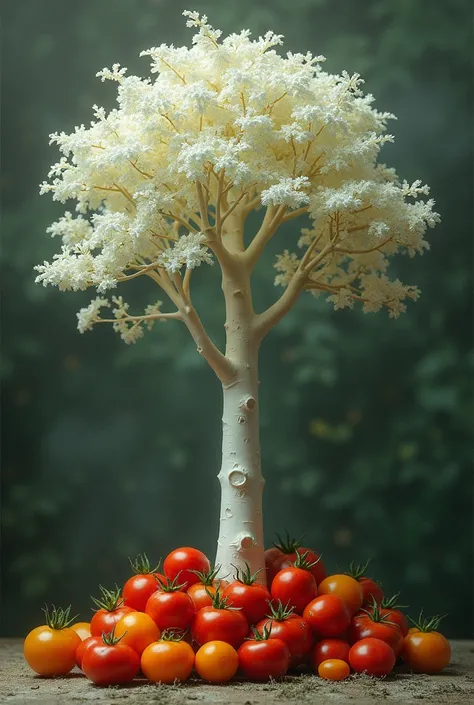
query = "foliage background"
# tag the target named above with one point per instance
(366, 422)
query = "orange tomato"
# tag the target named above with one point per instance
(345, 587)
(217, 661)
(50, 649)
(199, 596)
(167, 661)
(137, 630)
(334, 669)
(426, 652)
(83, 629)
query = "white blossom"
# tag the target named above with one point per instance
(188, 251)
(287, 192)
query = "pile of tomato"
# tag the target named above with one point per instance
(167, 626)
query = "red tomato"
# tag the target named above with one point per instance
(262, 658)
(110, 663)
(345, 587)
(370, 589)
(329, 649)
(392, 612)
(327, 615)
(376, 626)
(220, 622)
(140, 586)
(111, 610)
(334, 670)
(170, 608)
(295, 587)
(290, 628)
(372, 656)
(185, 563)
(248, 596)
(425, 650)
(90, 641)
(284, 553)
(50, 649)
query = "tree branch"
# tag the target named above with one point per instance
(273, 218)
(221, 365)
(268, 319)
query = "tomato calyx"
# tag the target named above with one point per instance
(390, 603)
(141, 565)
(110, 600)
(168, 585)
(57, 618)
(303, 562)
(288, 545)
(207, 577)
(427, 624)
(110, 639)
(280, 612)
(244, 575)
(374, 613)
(357, 570)
(264, 635)
(219, 602)
(173, 634)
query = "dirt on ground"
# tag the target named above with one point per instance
(454, 686)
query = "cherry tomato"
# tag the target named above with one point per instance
(334, 669)
(345, 587)
(92, 640)
(327, 615)
(50, 649)
(167, 661)
(295, 586)
(110, 663)
(370, 589)
(217, 661)
(110, 610)
(83, 629)
(208, 583)
(185, 563)
(290, 628)
(140, 586)
(137, 630)
(392, 612)
(425, 650)
(169, 607)
(262, 658)
(372, 656)
(376, 626)
(329, 649)
(220, 622)
(285, 552)
(244, 593)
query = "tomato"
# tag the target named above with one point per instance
(425, 650)
(345, 587)
(295, 586)
(110, 663)
(290, 628)
(327, 615)
(137, 630)
(262, 658)
(217, 661)
(85, 645)
(329, 649)
(334, 669)
(50, 649)
(220, 622)
(376, 626)
(372, 656)
(168, 660)
(110, 610)
(284, 553)
(83, 629)
(186, 563)
(248, 596)
(208, 583)
(140, 586)
(392, 612)
(371, 590)
(169, 607)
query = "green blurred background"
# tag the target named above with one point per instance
(366, 423)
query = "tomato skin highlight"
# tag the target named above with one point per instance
(90, 641)
(83, 629)
(212, 624)
(327, 615)
(217, 661)
(104, 621)
(261, 660)
(276, 560)
(295, 587)
(110, 665)
(137, 630)
(51, 652)
(346, 588)
(329, 649)
(334, 669)
(294, 631)
(170, 610)
(139, 588)
(182, 561)
(167, 661)
(426, 652)
(365, 628)
(252, 600)
(372, 656)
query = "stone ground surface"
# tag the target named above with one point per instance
(454, 686)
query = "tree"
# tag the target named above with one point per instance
(167, 182)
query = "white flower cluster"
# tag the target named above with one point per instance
(188, 252)
(130, 328)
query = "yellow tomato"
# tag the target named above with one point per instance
(167, 661)
(83, 629)
(137, 630)
(217, 661)
(346, 588)
(51, 652)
